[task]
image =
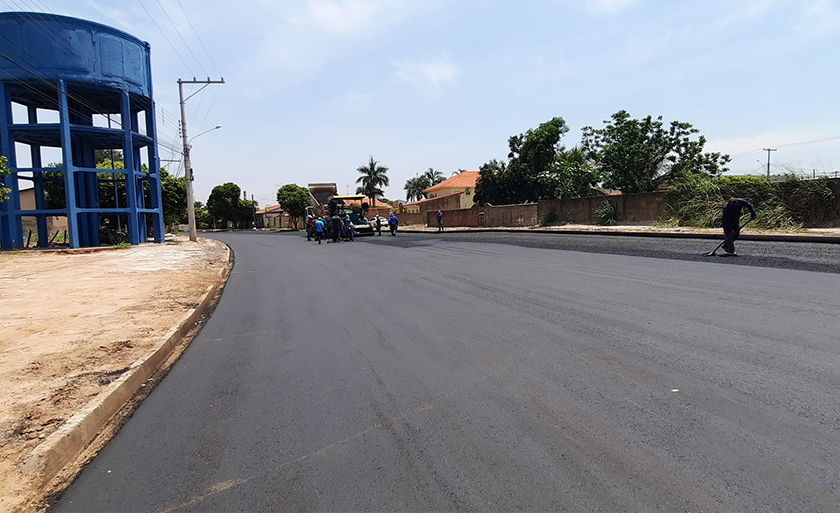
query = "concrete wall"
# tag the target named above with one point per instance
(459, 217)
(631, 208)
(412, 218)
(511, 215)
(834, 185)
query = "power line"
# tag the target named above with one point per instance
(212, 101)
(164, 36)
(182, 37)
(198, 37)
(788, 145)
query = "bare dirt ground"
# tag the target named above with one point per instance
(831, 232)
(72, 323)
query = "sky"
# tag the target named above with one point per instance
(314, 87)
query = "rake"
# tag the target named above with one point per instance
(714, 251)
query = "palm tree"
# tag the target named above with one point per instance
(414, 188)
(433, 177)
(373, 175)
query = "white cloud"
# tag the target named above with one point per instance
(746, 11)
(350, 15)
(819, 17)
(610, 6)
(433, 72)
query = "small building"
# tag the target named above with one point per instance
(270, 217)
(56, 225)
(463, 182)
(450, 201)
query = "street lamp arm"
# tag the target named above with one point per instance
(202, 133)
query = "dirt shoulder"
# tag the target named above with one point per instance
(72, 323)
(589, 228)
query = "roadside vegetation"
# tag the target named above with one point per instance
(630, 155)
(789, 205)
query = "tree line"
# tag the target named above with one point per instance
(626, 154)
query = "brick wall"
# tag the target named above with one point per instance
(451, 202)
(511, 215)
(415, 218)
(459, 217)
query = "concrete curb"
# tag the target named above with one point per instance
(65, 444)
(820, 239)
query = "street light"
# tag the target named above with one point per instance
(204, 132)
(189, 176)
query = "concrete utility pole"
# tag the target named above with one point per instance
(187, 165)
(768, 150)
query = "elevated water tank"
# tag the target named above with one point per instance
(98, 80)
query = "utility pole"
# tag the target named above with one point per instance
(188, 173)
(255, 211)
(768, 150)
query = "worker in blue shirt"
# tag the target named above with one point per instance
(732, 221)
(319, 230)
(392, 223)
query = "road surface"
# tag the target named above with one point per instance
(420, 372)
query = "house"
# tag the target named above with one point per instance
(30, 223)
(463, 182)
(272, 216)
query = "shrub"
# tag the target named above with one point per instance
(549, 218)
(605, 214)
(698, 201)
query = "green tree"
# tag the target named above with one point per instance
(202, 216)
(104, 158)
(414, 188)
(174, 198)
(294, 199)
(571, 176)
(492, 184)
(636, 155)
(4, 171)
(373, 177)
(531, 156)
(223, 203)
(432, 177)
(245, 213)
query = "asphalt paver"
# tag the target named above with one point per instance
(423, 372)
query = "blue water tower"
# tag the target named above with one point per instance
(99, 82)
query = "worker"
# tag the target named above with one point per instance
(319, 230)
(335, 224)
(379, 226)
(309, 227)
(732, 222)
(392, 223)
(348, 225)
(440, 220)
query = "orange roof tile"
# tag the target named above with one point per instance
(430, 199)
(462, 179)
(269, 208)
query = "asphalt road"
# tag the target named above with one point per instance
(445, 373)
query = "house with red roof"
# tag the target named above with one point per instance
(462, 184)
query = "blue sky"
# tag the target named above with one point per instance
(316, 86)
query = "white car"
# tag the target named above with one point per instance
(383, 222)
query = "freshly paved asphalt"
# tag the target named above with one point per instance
(445, 373)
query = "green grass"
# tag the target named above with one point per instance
(121, 245)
